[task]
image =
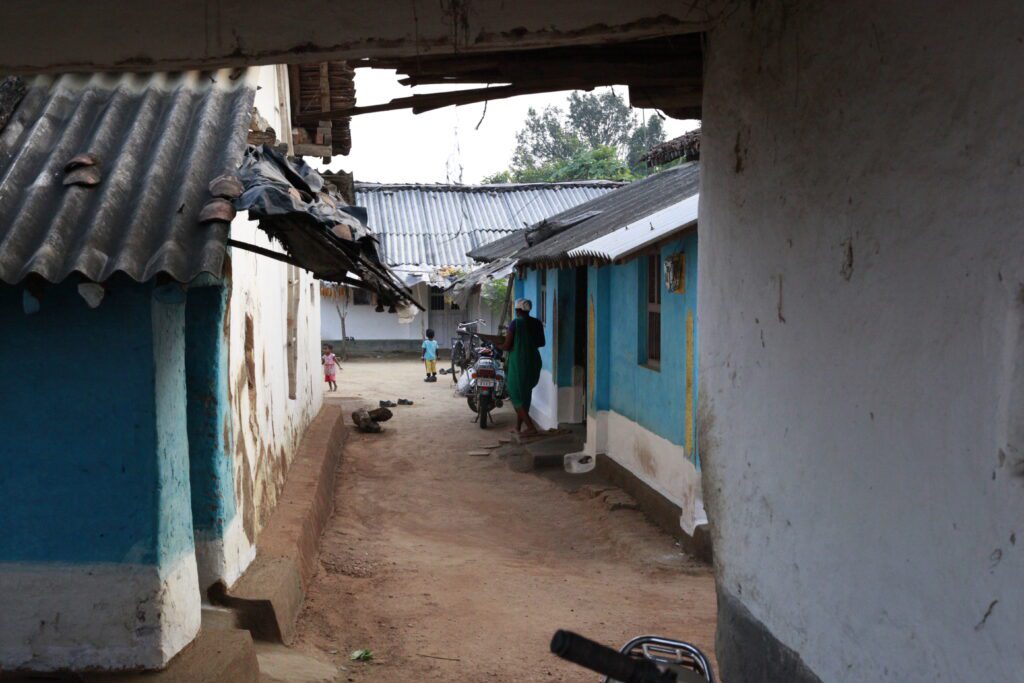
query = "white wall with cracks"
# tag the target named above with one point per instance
(268, 423)
(271, 405)
(862, 332)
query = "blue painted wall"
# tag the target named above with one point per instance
(93, 444)
(211, 468)
(531, 290)
(655, 399)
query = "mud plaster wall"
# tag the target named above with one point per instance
(267, 423)
(862, 350)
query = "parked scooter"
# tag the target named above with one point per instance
(646, 659)
(486, 384)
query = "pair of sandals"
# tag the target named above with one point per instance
(392, 404)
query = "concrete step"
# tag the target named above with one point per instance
(216, 656)
(543, 452)
(279, 664)
(217, 618)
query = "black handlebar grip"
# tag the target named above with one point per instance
(604, 660)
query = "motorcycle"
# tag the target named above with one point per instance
(487, 389)
(645, 659)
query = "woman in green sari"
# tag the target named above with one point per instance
(523, 340)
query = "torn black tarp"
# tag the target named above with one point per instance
(320, 232)
(460, 289)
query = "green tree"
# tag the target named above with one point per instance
(600, 119)
(495, 296)
(645, 136)
(543, 139)
(601, 162)
(596, 137)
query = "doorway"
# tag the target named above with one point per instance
(443, 317)
(580, 355)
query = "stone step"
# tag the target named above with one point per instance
(543, 452)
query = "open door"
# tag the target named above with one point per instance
(580, 371)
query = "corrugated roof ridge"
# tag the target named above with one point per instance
(142, 218)
(366, 186)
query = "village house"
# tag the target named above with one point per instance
(425, 232)
(614, 281)
(160, 359)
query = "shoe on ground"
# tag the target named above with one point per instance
(404, 402)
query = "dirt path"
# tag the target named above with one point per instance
(434, 555)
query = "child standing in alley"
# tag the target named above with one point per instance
(430, 356)
(330, 363)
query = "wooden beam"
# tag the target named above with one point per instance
(277, 256)
(325, 86)
(56, 36)
(431, 101)
(309, 150)
(674, 99)
(293, 88)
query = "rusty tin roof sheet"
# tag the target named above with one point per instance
(159, 140)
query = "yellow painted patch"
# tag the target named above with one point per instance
(689, 384)
(591, 355)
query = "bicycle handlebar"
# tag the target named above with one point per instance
(604, 660)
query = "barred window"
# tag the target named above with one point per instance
(650, 315)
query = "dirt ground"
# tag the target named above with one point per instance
(451, 567)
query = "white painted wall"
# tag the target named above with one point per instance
(364, 322)
(662, 465)
(862, 332)
(267, 423)
(544, 403)
(97, 616)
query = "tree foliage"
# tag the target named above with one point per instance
(495, 296)
(598, 136)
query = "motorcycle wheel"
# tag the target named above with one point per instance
(471, 400)
(457, 357)
(483, 412)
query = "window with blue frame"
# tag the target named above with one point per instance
(649, 318)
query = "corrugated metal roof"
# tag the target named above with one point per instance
(552, 238)
(433, 226)
(160, 140)
(640, 233)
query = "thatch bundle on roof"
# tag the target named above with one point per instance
(686, 147)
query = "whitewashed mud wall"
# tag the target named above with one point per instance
(862, 339)
(267, 422)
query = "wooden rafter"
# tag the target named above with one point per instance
(663, 73)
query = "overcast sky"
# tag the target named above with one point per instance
(443, 145)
